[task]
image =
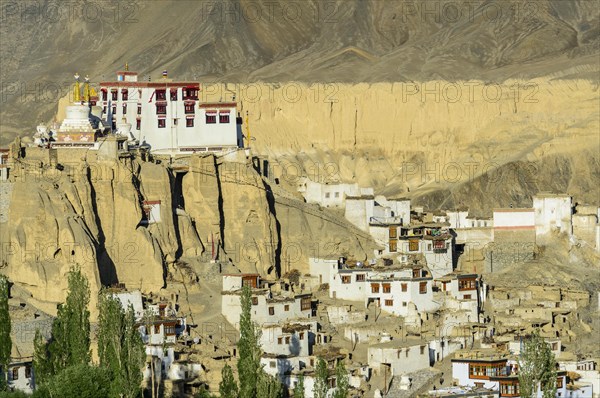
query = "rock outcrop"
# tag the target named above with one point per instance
(76, 210)
(229, 205)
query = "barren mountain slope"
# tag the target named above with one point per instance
(43, 43)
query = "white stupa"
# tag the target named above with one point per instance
(40, 137)
(76, 127)
(124, 129)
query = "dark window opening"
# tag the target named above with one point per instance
(190, 93)
(161, 95)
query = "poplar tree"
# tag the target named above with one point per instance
(5, 326)
(42, 364)
(299, 389)
(248, 365)
(70, 342)
(228, 387)
(537, 368)
(120, 346)
(268, 386)
(342, 384)
(321, 376)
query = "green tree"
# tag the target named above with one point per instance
(342, 383)
(203, 393)
(299, 389)
(80, 381)
(537, 368)
(321, 375)
(120, 346)
(248, 364)
(42, 365)
(267, 386)
(70, 343)
(5, 326)
(15, 394)
(228, 387)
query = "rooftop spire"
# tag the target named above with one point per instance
(76, 89)
(86, 89)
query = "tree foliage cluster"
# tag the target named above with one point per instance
(254, 381)
(62, 364)
(537, 370)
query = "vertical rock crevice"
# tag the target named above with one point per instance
(106, 266)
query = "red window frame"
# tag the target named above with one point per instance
(190, 109)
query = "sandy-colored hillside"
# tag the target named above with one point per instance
(431, 140)
(43, 43)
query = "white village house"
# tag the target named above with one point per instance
(395, 288)
(267, 308)
(500, 372)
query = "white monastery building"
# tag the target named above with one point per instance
(168, 116)
(163, 116)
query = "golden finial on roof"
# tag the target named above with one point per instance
(126, 66)
(86, 89)
(76, 89)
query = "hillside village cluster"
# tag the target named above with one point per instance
(421, 303)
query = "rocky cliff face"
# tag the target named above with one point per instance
(434, 140)
(86, 215)
(90, 214)
(229, 205)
